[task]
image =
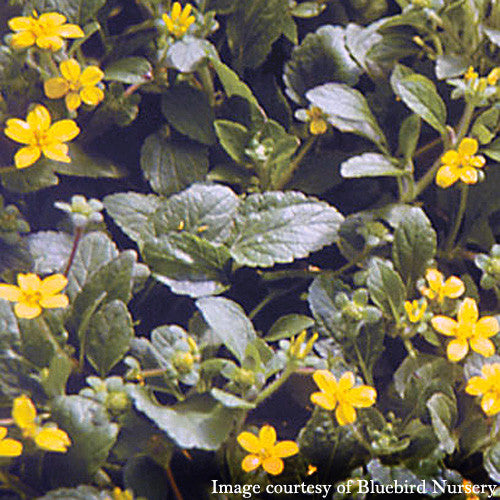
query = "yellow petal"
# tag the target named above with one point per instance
(250, 463)
(362, 396)
(62, 131)
(326, 381)
(57, 151)
(346, 382)
(29, 282)
(445, 325)
(19, 131)
(185, 13)
(468, 175)
(318, 126)
(467, 312)
(492, 371)
(92, 95)
(176, 11)
(52, 439)
(70, 70)
(55, 88)
(39, 118)
(267, 436)
(168, 23)
(447, 176)
(476, 386)
(22, 40)
(285, 449)
(323, 399)
(54, 301)
(273, 465)
(20, 23)
(468, 146)
(487, 326)
(70, 31)
(72, 101)
(23, 412)
(482, 346)
(249, 442)
(478, 161)
(26, 156)
(53, 284)
(11, 293)
(53, 43)
(3, 432)
(457, 349)
(27, 311)
(453, 287)
(435, 279)
(91, 76)
(51, 19)
(345, 414)
(490, 403)
(10, 448)
(451, 158)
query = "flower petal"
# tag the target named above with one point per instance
(10, 448)
(26, 156)
(447, 176)
(478, 161)
(346, 382)
(249, 442)
(92, 95)
(457, 349)
(273, 465)
(27, 311)
(23, 412)
(468, 312)
(327, 401)
(345, 414)
(362, 396)
(483, 346)
(176, 11)
(451, 158)
(62, 131)
(487, 326)
(445, 325)
(469, 175)
(267, 436)
(51, 19)
(20, 23)
(54, 301)
(70, 31)
(186, 12)
(52, 439)
(285, 449)
(57, 151)
(19, 131)
(3, 432)
(39, 118)
(91, 75)
(10, 292)
(476, 386)
(453, 287)
(70, 70)
(29, 282)
(435, 279)
(468, 146)
(326, 381)
(250, 463)
(53, 43)
(490, 403)
(53, 284)
(22, 40)
(55, 88)
(72, 101)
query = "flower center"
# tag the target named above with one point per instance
(32, 297)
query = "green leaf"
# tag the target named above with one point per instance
(288, 326)
(409, 134)
(230, 400)
(131, 212)
(420, 95)
(278, 227)
(130, 70)
(109, 335)
(486, 126)
(188, 54)
(321, 57)
(171, 165)
(188, 110)
(370, 165)
(348, 111)
(493, 35)
(92, 436)
(493, 150)
(36, 344)
(204, 210)
(234, 138)
(60, 368)
(50, 251)
(308, 9)
(386, 288)
(451, 66)
(189, 265)
(198, 422)
(27, 180)
(145, 477)
(252, 29)
(443, 415)
(492, 461)
(229, 324)
(415, 244)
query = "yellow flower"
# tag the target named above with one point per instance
(487, 386)
(468, 490)
(460, 164)
(46, 31)
(414, 310)
(179, 20)
(265, 451)
(119, 494)
(48, 437)
(468, 330)
(342, 395)
(40, 136)
(438, 288)
(311, 469)
(299, 348)
(470, 75)
(76, 85)
(493, 76)
(32, 295)
(317, 122)
(9, 447)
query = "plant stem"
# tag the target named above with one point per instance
(288, 274)
(173, 484)
(464, 123)
(464, 191)
(76, 241)
(364, 369)
(207, 83)
(272, 388)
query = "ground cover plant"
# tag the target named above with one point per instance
(248, 249)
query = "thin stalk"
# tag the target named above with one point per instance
(208, 84)
(272, 388)
(464, 191)
(295, 164)
(76, 241)
(464, 123)
(364, 369)
(173, 484)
